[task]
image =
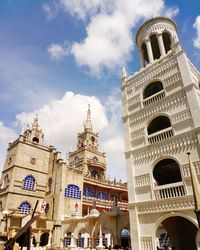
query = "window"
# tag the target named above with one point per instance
(29, 182)
(94, 173)
(35, 139)
(95, 159)
(88, 192)
(50, 182)
(80, 241)
(157, 124)
(68, 239)
(102, 196)
(152, 89)
(76, 160)
(72, 191)
(24, 207)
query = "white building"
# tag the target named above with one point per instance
(161, 116)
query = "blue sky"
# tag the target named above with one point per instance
(59, 55)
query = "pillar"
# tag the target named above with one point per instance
(141, 58)
(149, 50)
(161, 44)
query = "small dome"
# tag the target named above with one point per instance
(94, 212)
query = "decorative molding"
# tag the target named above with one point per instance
(162, 107)
(181, 116)
(173, 204)
(171, 80)
(171, 146)
(158, 69)
(142, 180)
(146, 242)
(137, 134)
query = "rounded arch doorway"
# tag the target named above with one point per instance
(177, 233)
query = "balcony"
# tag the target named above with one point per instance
(96, 163)
(172, 190)
(160, 135)
(154, 98)
(103, 203)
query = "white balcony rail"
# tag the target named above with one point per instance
(160, 135)
(169, 191)
(154, 98)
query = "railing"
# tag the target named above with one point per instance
(169, 191)
(160, 135)
(154, 98)
(142, 180)
(186, 169)
(106, 203)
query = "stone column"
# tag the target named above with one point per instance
(141, 58)
(149, 50)
(161, 44)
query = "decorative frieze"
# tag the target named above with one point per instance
(146, 243)
(181, 116)
(169, 147)
(186, 169)
(185, 202)
(169, 81)
(165, 106)
(137, 134)
(159, 69)
(142, 180)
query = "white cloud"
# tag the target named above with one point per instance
(109, 26)
(196, 40)
(6, 135)
(58, 51)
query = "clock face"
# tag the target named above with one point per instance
(92, 139)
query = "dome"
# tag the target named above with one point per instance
(94, 212)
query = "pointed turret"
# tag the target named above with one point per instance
(88, 122)
(124, 73)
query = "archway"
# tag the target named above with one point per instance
(44, 239)
(177, 233)
(125, 238)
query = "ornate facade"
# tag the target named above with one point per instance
(161, 106)
(75, 197)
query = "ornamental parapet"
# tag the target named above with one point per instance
(168, 205)
(96, 163)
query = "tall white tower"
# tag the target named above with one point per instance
(161, 116)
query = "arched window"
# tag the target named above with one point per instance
(88, 192)
(50, 185)
(167, 171)
(158, 124)
(102, 196)
(155, 47)
(35, 139)
(152, 89)
(72, 191)
(68, 239)
(167, 41)
(29, 182)
(44, 239)
(94, 173)
(24, 207)
(76, 160)
(95, 159)
(80, 241)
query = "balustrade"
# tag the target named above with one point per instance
(161, 135)
(154, 98)
(169, 191)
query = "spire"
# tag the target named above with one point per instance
(88, 123)
(35, 125)
(124, 73)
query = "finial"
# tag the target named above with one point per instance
(88, 123)
(124, 73)
(35, 124)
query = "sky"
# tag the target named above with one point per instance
(58, 56)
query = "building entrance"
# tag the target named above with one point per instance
(177, 233)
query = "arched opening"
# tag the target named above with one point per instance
(176, 233)
(158, 124)
(144, 54)
(167, 171)
(35, 139)
(44, 239)
(152, 89)
(67, 239)
(125, 238)
(155, 47)
(167, 41)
